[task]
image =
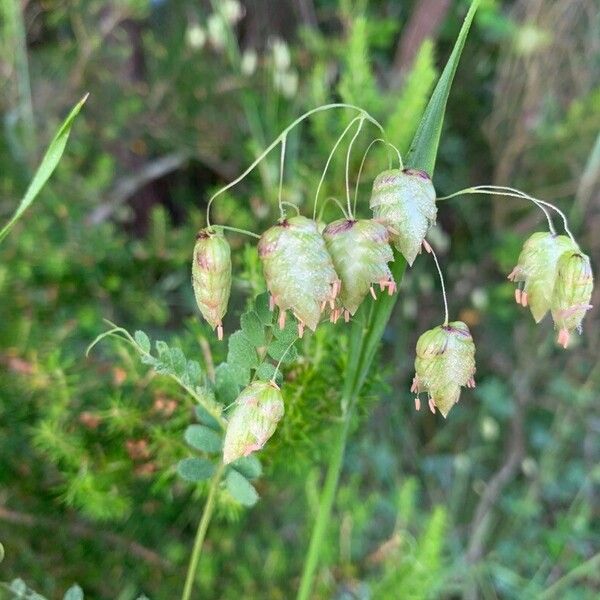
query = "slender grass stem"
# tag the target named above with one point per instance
(492, 190)
(348, 153)
(439, 270)
(15, 28)
(364, 338)
(201, 532)
(326, 500)
(329, 159)
(238, 230)
(281, 167)
(280, 137)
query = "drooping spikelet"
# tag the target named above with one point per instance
(258, 409)
(360, 252)
(445, 362)
(537, 268)
(404, 200)
(211, 276)
(298, 269)
(572, 293)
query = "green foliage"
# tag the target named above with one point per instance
(49, 163)
(71, 429)
(357, 84)
(406, 111)
(415, 563)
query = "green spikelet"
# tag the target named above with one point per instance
(360, 252)
(298, 269)
(572, 293)
(258, 409)
(405, 202)
(211, 276)
(536, 268)
(445, 362)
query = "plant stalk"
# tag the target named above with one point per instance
(201, 533)
(364, 339)
(326, 500)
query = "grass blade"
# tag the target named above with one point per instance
(424, 148)
(49, 162)
(367, 332)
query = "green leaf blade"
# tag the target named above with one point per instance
(47, 166)
(424, 148)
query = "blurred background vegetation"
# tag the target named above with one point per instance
(500, 501)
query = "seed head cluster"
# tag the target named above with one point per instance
(322, 273)
(552, 274)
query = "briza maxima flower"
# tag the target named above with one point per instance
(298, 270)
(572, 293)
(258, 409)
(360, 251)
(536, 269)
(211, 276)
(445, 362)
(404, 200)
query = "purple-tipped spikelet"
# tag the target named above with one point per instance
(445, 362)
(536, 269)
(298, 270)
(404, 200)
(572, 293)
(211, 276)
(360, 252)
(258, 409)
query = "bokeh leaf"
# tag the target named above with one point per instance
(49, 162)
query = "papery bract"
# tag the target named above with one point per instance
(298, 269)
(572, 293)
(404, 200)
(258, 409)
(211, 276)
(444, 363)
(536, 268)
(360, 252)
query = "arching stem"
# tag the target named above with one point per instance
(329, 158)
(281, 165)
(238, 230)
(348, 153)
(336, 201)
(513, 193)
(430, 250)
(201, 532)
(280, 137)
(291, 205)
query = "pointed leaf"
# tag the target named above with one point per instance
(423, 150)
(49, 162)
(142, 340)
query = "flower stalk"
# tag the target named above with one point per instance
(201, 532)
